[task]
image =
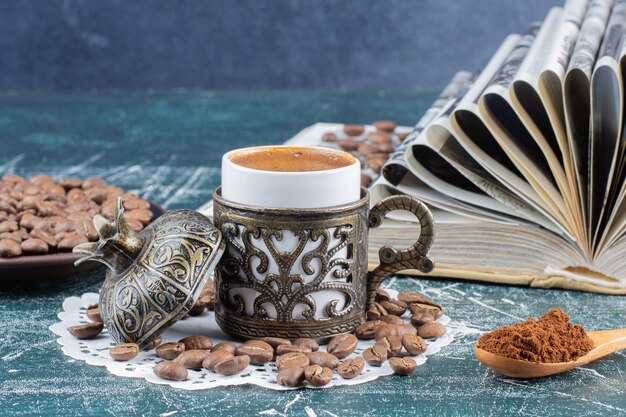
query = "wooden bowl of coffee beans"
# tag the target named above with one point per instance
(41, 220)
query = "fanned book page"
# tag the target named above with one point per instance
(524, 163)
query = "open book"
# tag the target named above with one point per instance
(523, 164)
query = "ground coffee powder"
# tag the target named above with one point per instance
(550, 339)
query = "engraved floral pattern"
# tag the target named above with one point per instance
(160, 286)
(280, 264)
(284, 289)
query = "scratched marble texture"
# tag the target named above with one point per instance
(167, 147)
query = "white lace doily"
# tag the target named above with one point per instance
(96, 352)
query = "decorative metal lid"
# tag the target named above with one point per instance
(155, 276)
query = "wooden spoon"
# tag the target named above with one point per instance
(605, 342)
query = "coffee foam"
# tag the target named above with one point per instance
(292, 159)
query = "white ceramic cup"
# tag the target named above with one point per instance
(291, 189)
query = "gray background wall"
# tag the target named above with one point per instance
(251, 44)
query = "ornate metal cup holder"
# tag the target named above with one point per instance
(303, 272)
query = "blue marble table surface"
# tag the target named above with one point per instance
(167, 147)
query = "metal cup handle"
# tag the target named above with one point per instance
(413, 257)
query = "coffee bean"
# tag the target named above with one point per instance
(41, 179)
(259, 351)
(385, 147)
(391, 319)
(375, 355)
(124, 351)
(69, 183)
(366, 149)
(351, 368)
(88, 229)
(393, 345)
(93, 182)
(227, 346)
(75, 194)
(394, 330)
(29, 204)
(192, 359)
(45, 209)
(366, 180)
(29, 220)
(18, 217)
(9, 248)
(293, 359)
(114, 192)
(353, 130)
(323, 359)
(13, 179)
(211, 305)
(275, 341)
(86, 331)
(108, 210)
(34, 245)
(8, 226)
(133, 203)
(60, 236)
(349, 144)
(232, 365)
(382, 295)
(93, 313)
(414, 297)
(198, 308)
(376, 164)
(14, 236)
(308, 342)
(420, 319)
(136, 225)
(96, 194)
(318, 376)
(403, 366)
(368, 329)
(394, 307)
(282, 349)
(385, 125)
(170, 370)
(154, 343)
(196, 342)
(170, 350)
(431, 330)
(6, 207)
(59, 225)
(290, 376)
(376, 312)
(143, 215)
(214, 358)
(71, 240)
(45, 236)
(379, 137)
(342, 345)
(23, 233)
(329, 137)
(414, 344)
(420, 309)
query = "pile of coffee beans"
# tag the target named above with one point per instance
(299, 361)
(393, 336)
(39, 215)
(372, 146)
